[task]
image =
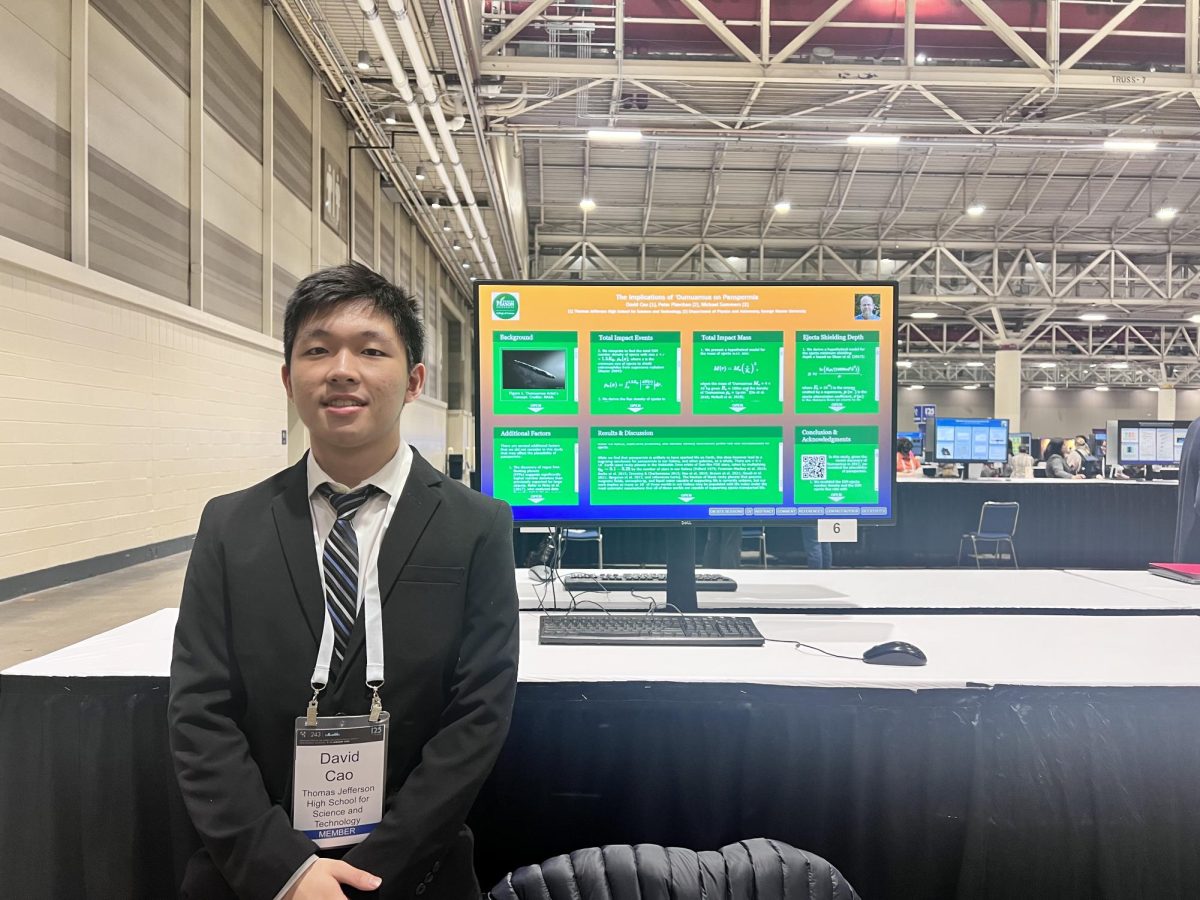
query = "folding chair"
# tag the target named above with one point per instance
(997, 525)
(584, 534)
(758, 536)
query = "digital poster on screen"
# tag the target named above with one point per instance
(687, 402)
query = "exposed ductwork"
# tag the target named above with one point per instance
(474, 235)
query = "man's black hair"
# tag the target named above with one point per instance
(326, 289)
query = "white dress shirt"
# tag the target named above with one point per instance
(370, 523)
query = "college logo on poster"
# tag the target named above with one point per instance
(506, 306)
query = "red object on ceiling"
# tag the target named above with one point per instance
(649, 40)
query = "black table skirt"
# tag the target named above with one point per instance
(982, 794)
(1110, 525)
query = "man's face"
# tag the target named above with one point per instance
(349, 378)
(866, 306)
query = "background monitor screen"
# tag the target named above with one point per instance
(1152, 443)
(917, 438)
(970, 440)
(1019, 439)
(688, 402)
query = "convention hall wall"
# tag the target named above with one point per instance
(139, 332)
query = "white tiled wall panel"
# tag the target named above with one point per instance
(117, 424)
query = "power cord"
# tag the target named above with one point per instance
(798, 644)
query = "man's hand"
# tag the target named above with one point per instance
(324, 878)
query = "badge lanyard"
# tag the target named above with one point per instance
(372, 620)
(340, 764)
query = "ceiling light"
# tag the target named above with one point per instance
(437, 203)
(1153, 389)
(904, 364)
(1116, 365)
(1153, 68)
(1102, 387)
(1046, 365)
(587, 204)
(445, 224)
(921, 57)
(783, 207)
(615, 136)
(1092, 317)
(1194, 317)
(924, 314)
(456, 245)
(973, 364)
(872, 140)
(970, 387)
(916, 387)
(1166, 213)
(390, 116)
(1049, 387)
(976, 209)
(1130, 145)
(364, 59)
(466, 265)
(420, 173)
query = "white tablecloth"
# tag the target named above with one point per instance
(893, 589)
(1141, 651)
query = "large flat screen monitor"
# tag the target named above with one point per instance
(968, 440)
(724, 403)
(1149, 442)
(1019, 439)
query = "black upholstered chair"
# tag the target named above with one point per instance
(757, 869)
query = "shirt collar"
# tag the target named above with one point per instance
(387, 479)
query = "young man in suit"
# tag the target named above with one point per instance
(278, 580)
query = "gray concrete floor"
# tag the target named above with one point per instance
(36, 624)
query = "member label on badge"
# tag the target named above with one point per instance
(340, 766)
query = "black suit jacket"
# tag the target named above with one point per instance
(249, 624)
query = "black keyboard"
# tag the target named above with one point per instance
(667, 628)
(640, 580)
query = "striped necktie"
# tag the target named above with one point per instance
(340, 561)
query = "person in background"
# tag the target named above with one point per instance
(1022, 463)
(818, 553)
(1055, 465)
(907, 462)
(1072, 456)
(1187, 520)
(947, 470)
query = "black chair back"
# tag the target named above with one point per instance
(999, 518)
(757, 869)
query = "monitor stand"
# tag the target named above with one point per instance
(681, 568)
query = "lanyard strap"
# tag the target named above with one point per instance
(372, 613)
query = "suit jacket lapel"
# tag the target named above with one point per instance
(293, 523)
(418, 501)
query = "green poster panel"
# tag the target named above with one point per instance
(837, 372)
(686, 466)
(737, 372)
(837, 465)
(535, 373)
(536, 466)
(635, 372)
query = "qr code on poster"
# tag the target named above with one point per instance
(812, 468)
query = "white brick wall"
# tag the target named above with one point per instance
(121, 413)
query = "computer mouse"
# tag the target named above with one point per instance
(894, 653)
